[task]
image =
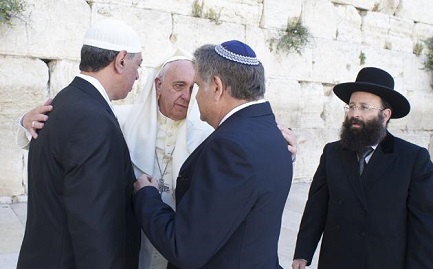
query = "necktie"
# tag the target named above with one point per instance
(362, 156)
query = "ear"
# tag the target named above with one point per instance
(218, 87)
(387, 115)
(119, 61)
(158, 83)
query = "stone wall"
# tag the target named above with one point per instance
(39, 55)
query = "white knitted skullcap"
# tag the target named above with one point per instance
(112, 35)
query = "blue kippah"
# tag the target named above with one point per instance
(237, 51)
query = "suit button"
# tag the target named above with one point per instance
(340, 202)
(363, 234)
(337, 227)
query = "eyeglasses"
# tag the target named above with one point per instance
(362, 108)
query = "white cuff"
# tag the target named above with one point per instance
(23, 135)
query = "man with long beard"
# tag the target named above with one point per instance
(371, 216)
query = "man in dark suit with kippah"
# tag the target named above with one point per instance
(232, 189)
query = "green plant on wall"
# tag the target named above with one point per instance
(211, 14)
(418, 48)
(10, 9)
(428, 64)
(292, 39)
(388, 45)
(362, 58)
(214, 16)
(197, 9)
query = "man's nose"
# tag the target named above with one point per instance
(186, 94)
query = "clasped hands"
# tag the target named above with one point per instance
(143, 181)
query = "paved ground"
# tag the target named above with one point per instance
(13, 217)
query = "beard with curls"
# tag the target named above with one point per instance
(370, 133)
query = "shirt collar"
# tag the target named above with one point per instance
(100, 89)
(236, 109)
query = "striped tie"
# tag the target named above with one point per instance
(362, 156)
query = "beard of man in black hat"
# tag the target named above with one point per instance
(370, 132)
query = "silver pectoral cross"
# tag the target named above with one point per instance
(162, 187)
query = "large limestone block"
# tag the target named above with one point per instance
(246, 12)
(153, 27)
(388, 6)
(285, 97)
(415, 77)
(239, 11)
(389, 60)
(310, 147)
(375, 29)
(360, 4)
(23, 81)
(312, 103)
(277, 13)
(209, 32)
(335, 61)
(279, 63)
(61, 74)
(419, 10)
(333, 110)
(421, 32)
(321, 19)
(12, 176)
(183, 7)
(400, 34)
(49, 29)
(421, 112)
(348, 24)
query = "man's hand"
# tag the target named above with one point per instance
(35, 119)
(143, 181)
(290, 137)
(299, 264)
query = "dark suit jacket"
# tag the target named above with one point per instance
(382, 220)
(230, 194)
(80, 182)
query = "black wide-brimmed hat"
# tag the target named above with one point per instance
(377, 82)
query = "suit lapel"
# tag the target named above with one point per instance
(381, 161)
(89, 89)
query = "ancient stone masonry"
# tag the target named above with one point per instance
(39, 53)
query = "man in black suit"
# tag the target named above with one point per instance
(232, 189)
(80, 173)
(371, 197)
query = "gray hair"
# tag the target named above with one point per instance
(94, 59)
(245, 82)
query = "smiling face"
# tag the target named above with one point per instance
(174, 87)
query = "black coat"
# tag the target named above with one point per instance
(80, 182)
(230, 194)
(383, 219)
